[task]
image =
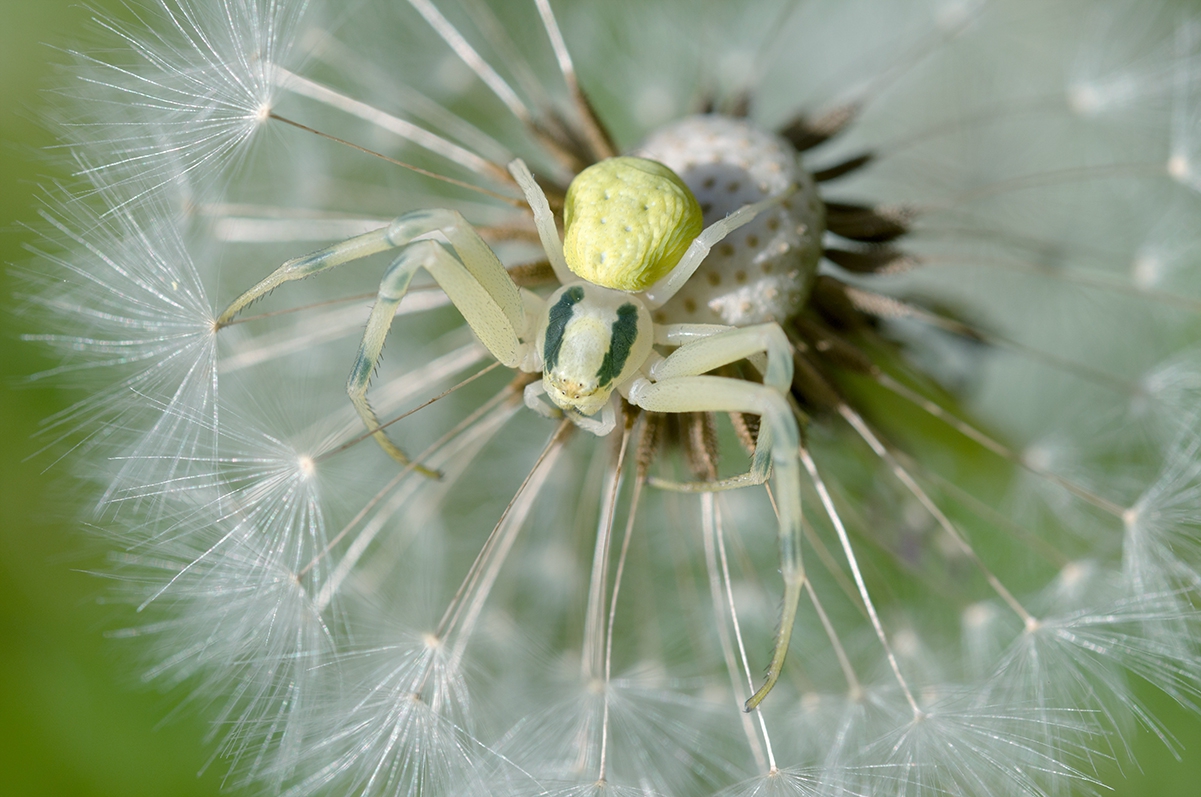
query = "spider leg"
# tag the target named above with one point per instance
(759, 472)
(726, 345)
(473, 278)
(544, 220)
(658, 294)
(400, 232)
(679, 387)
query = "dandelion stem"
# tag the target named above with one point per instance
(474, 61)
(500, 408)
(462, 384)
(910, 60)
(1075, 277)
(516, 514)
(417, 169)
(844, 661)
(594, 133)
(840, 529)
(984, 511)
(621, 565)
(827, 559)
(1049, 178)
(728, 589)
(590, 658)
(375, 499)
(454, 610)
(996, 446)
(358, 297)
(864, 431)
(382, 82)
(385, 121)
(709, 524)
(883, 306)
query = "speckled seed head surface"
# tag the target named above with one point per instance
(628, 222)
(762, 271)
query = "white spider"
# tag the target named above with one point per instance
(634, 237)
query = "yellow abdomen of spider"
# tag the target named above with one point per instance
(628, 222)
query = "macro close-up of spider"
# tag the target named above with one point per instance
(772, 397)
(634, 226)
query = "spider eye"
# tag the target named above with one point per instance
(628, 222)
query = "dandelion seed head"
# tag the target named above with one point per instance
(998, 497)
(187, 100)
(766, 269)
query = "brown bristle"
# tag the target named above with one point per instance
(873, 260)
(739, 106)
(812, 390)
(533, 275)
(805, 133)
(747, 428)
(832, 347)
(600, 140)
(650, 442)
(700, 444)
(844, 168)
(509, 232)
(830, 301)
(876, 225)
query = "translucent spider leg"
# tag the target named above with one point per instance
(681, 389)
(475, 282)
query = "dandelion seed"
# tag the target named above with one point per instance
(906, 338)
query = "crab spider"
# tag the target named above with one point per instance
(633, 238)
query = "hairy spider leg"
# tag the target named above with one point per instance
(475, 282)
(681, 388)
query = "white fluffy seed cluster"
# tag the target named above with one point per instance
(1001, 507)
(763, 271)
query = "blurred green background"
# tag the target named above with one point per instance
(73, 719)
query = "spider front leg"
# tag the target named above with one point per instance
(679, 388)
(472, 277)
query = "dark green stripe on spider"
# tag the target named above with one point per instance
(625, 331)
(557, 319)
(360, 373)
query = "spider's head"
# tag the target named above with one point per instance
(592, 339)
(628, 222)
